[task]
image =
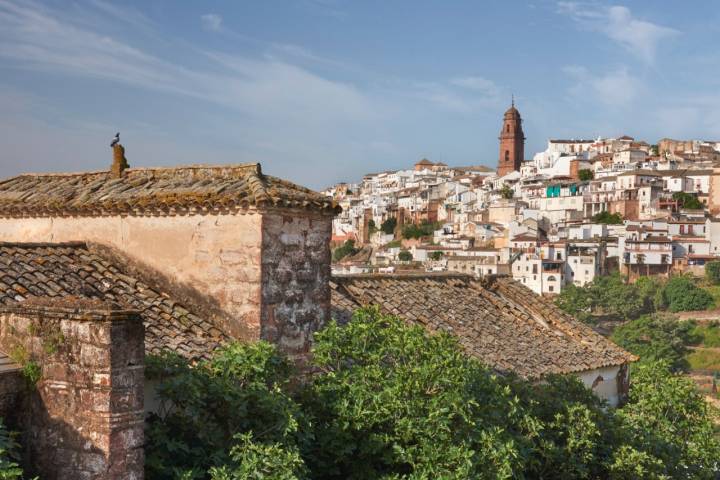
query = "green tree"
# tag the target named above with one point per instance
(347, 248)
(576, 301)
(687, 200)
(405, 256)
(669, 421)
(608, 218)
(204, 408)
(388, 226)
(712, 272)
(424, 229)
(682, 295)
(394, 402)
(506, 192)
(585, 174)
(657, 337)
(9, 455)
(436, 256)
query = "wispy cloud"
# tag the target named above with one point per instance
(481, 84)
(639, 37)
(212, 22)
(615, 88)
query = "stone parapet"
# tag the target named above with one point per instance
(83, 412)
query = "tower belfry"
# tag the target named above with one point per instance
(512, 141)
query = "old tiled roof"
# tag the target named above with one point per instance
(178, 190)
(496, 319)
(76, 271)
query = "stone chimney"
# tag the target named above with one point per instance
(120, 163)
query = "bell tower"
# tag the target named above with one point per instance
(512, 142)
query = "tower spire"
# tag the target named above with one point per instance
(512, 99)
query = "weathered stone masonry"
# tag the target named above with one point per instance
(295, 278)
(83, 419)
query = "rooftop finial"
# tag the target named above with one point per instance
(512, 96)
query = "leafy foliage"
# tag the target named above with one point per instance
(418, 231)
(436, 255)
(608, 218)
(506, 192)
(387, 400)
(205, 407)
(388, 226)
(405, 256)
(668, 419)
(394, 402)
(712, 272)
(347, 248)
(687, 200)
(682, 295)
(585, 174)
(9, 455)
(657, 337)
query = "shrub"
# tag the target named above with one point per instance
(712, 272)
(608, 218)
(657, 337)
(347, 248)
(682, 295)
(585, 174)
(388, 226)
(405, 256)
(9, 455)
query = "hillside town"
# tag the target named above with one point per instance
(577, 210)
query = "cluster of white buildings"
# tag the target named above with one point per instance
(540, 222)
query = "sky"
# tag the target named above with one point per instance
(321, 91)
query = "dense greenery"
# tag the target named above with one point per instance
(712, 272)
(9, 455)
(611, 298)
(506, 192)
(687, 200)
(388, 226)
(585, 174)
(608, 218)
(405, 256)
(657, 337)
(682, 295)
(389, 401)
(424, 229)
(436, 255)
(347, 248)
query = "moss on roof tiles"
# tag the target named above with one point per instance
(499, 321)
(158, 190)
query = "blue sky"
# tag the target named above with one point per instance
(320, 91)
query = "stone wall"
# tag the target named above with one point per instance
(296, 274)
(83, 419)
(215, 259)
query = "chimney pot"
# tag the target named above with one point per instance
(120, 163)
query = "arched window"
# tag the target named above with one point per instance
(551, 278)
(507, 155)
(507, 128)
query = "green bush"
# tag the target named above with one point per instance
(608, 218)
(682, 295)
(383, 399)
(9, 455)
(205, 407)
(687, 200)
(585, 174)
(425, 229)
(405, 256)
(712, 272)
(388, 226)
(657, 337)
(347, 248)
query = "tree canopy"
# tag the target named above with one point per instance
(608, 218)
(585, 174)
(687, 200)
(386, 400)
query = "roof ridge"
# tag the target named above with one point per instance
(194, 166)
(69, 244)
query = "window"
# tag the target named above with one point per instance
(551, 278)
(507, 155)
(559, 255)
(550, 288)
(507, 128)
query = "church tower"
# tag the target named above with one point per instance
(512, 142)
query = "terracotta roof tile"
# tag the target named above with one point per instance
(497, 320)
(75, 272)
(159, 190)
